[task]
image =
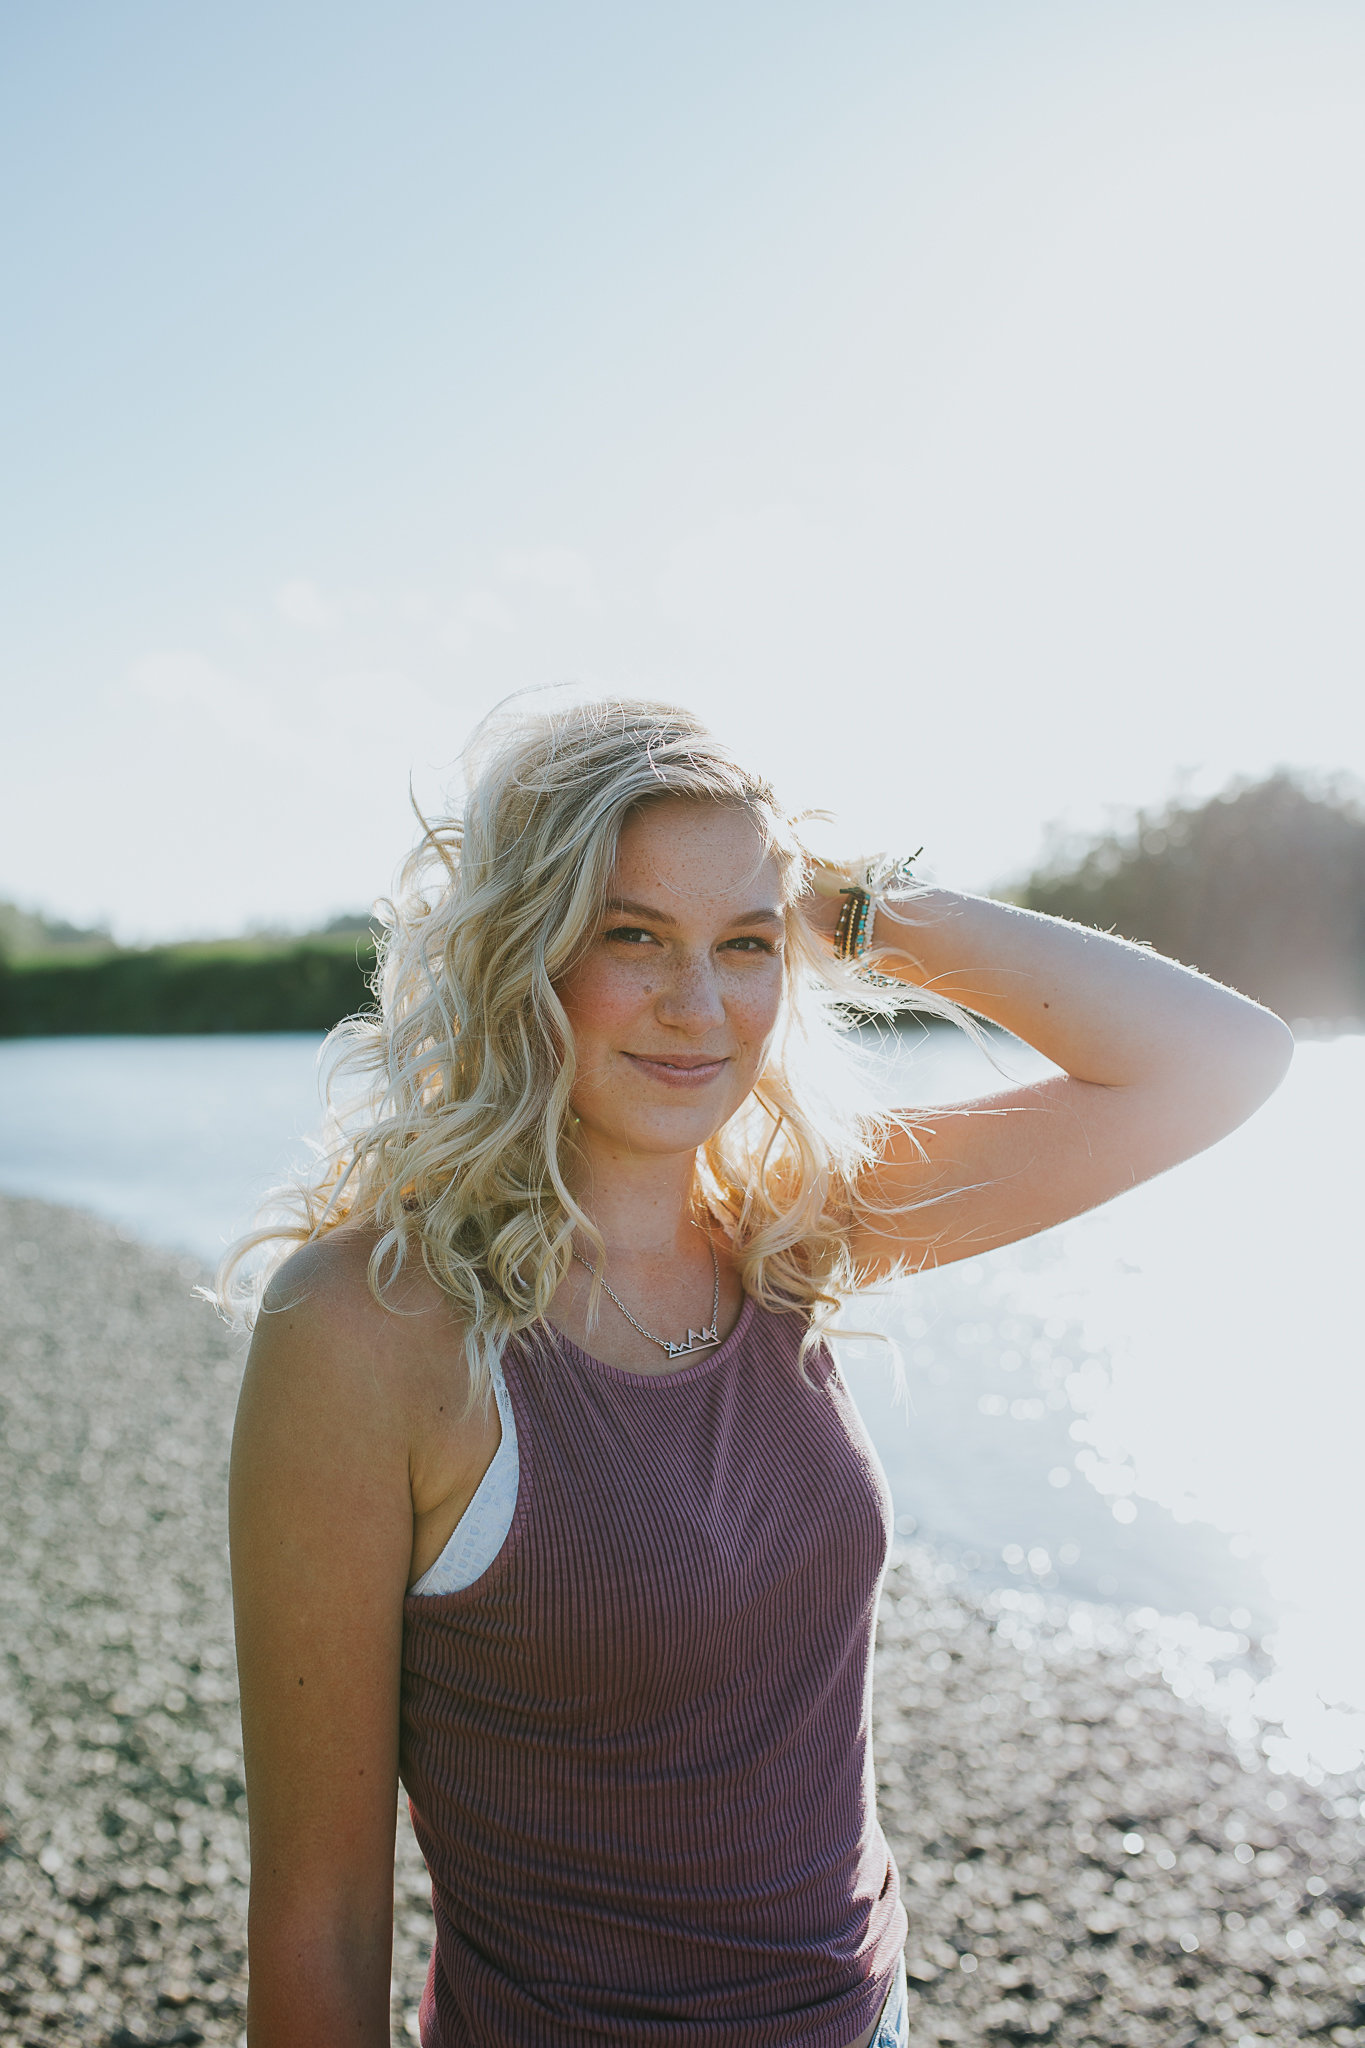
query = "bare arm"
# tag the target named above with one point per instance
(1157, 1062)
(321, 1520)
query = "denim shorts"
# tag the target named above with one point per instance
(893, 2028)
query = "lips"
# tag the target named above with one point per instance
(678, 1069)
(688, 1062)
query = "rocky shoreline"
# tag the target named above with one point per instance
(1086, 1858)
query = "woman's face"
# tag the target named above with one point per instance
(676, 999)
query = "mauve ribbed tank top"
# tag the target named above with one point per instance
(638, 1749)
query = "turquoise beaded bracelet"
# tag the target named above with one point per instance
(853, 931)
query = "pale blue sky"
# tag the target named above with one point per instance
(959, 403)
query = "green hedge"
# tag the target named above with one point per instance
(308, 986)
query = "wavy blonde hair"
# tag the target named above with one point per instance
(457, 1131)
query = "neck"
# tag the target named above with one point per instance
(640, 1206)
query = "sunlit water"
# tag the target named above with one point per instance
(1160, 1405)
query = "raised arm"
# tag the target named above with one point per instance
(1157, 1063)
(322, 1527)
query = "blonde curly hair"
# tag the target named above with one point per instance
(456, 1131)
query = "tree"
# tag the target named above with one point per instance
(1262, 887)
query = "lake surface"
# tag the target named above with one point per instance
(1161, 1404)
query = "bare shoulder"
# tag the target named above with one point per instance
(352, 1405)
(345, 1404)
(328, 1281)
(322, 1314)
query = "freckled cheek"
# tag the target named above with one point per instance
(601, 1003)
(754, 1012)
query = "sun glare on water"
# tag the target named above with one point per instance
(1219, 1307)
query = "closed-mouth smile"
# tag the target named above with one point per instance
(679, 1070)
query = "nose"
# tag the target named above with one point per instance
(690, 998)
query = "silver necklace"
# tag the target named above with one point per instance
(695, 1340)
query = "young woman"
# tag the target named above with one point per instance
(546, 1491)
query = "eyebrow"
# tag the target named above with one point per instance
(649, 915)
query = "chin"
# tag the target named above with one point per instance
(653, 1132)
(686, 1135)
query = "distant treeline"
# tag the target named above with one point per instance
(236, 985)
(1262, 887)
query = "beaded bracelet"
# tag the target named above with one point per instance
(857, 912)
(853, 931)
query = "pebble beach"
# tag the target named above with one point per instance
(1086, 1856)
